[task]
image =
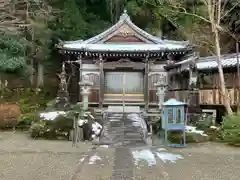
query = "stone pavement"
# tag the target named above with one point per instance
(25, 159)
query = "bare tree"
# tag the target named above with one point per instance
(214, 14)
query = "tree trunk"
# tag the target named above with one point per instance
(31, 78)
(40, 75)
(223, 90)
(214, 12)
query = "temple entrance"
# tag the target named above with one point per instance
(127, 86)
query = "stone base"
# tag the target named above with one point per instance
(79, 135)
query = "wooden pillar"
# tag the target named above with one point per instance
(101, 88)
(146, 91)
(80, 76)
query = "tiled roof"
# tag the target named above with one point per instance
(173, 102)
(209, 62)
(92, 43)
(227, 60)
(122, 47)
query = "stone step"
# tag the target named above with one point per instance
(122, 130)
(117, 126)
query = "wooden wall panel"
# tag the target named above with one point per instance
(152, 96)
(94, 96)
(179, 95)
(211, 81)
(205, 97)
(120, 38)
(214, 97)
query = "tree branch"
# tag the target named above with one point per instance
(191, 14)
(238, 3)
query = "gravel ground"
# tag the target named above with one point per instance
(99, 166)
(205, 167)
(207, 161)
(11, 142)
(25, 159)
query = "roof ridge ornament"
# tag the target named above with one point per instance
(124, 15)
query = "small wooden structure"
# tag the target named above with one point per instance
(207, 80)
(173, 119)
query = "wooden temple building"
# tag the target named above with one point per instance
(125, 60)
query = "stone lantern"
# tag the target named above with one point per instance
(193, 77)
(85, 86)
(62, 99)
(161, 89)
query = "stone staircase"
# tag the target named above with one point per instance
(121, 130)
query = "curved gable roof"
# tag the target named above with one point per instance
(125, 20)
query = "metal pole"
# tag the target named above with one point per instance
(74, 132)
(124, 84)
(238, 76)
(123, 116)
(80, 78)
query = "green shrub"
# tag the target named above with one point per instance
(215, 134)
(42, 129)
(157, 127)
(204, 123)
(27, 120)
(64, 123)
(38, 129)
(52, 129)
(50, 105)
(191, 137)
(231, 130)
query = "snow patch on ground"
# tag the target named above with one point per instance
(144, 155)
(82, 159)
(192, 129)
(94, 158)
(161, 149)
(166, 156)
(51, 115)
(150, 157)
(104, 146)
(214, 127)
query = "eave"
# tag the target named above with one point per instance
(126, 53)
